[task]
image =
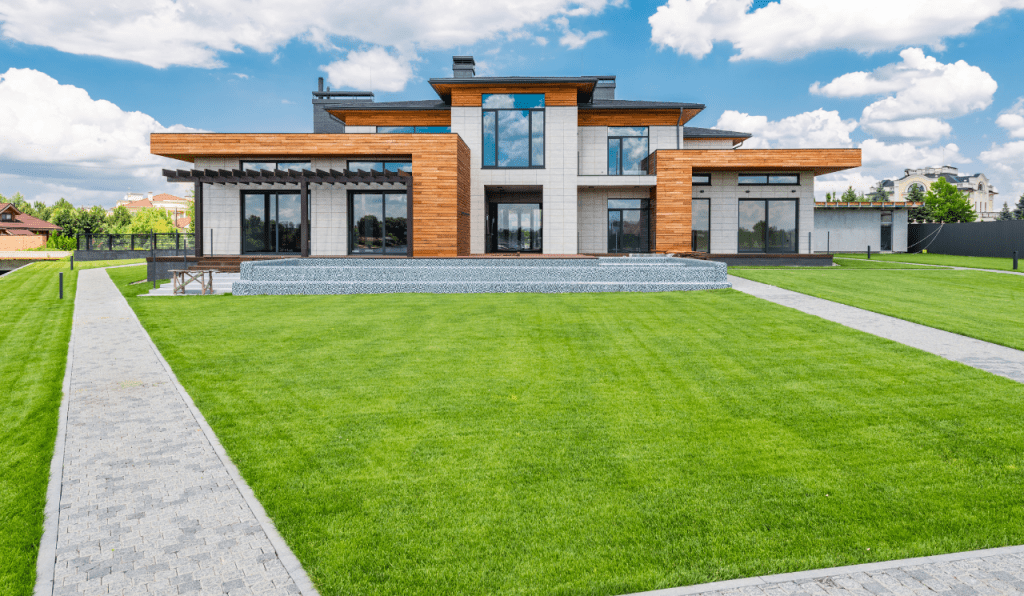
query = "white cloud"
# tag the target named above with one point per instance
(58, 133)
(162, 33)
(896, 157)
(918, 130)
(1013, 119)
(374, 69)
(794, 28)
(817, 129)
(1008, 160)
(241, 75)
(575, 39)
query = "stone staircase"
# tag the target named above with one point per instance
(221, 285)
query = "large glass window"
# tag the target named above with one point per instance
(276, 165)
(767, 226)
(413, 129)
(515, 227)
(701, 229)
(628, 226)
(380, 166)
(627, 149)
(378, 223)
(701, 179)
(270, 222)
(513, 130)
(769, 179)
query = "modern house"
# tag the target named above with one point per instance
(980, 192)
(519, 165)
(19, 231)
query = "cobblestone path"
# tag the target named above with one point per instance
(147, 504)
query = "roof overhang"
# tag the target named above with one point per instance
(189, 146)
(820, 161)
(584, 85)
(636, 116)
(868, 205)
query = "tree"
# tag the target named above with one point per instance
(66, 218)
(40, 210)
(916, 194)
(1005, 214)
(118, 221)
(190, 212)
(151, 219)
(947, 204)
(1018, 209)
(849, 196)
(90, 221)
(878, 193)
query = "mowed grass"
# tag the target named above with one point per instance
(35, 326)
(946, 260)
(590, 444)
(986, 306)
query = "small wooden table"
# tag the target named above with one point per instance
(183, 277)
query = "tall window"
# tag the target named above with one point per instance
(627, 149)
(378, 223)
(270, 222)
(767, 226)
(276, 165)
(701, 230)
(513, 130)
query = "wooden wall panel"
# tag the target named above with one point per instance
(437, 183)
(590, 117)
(821, 161)
(554, 95)
(464, 204)
(673, 214)
(394, 117)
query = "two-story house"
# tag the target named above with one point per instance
(545, 165)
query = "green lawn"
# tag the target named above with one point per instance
(34, 330)
(947, 260)
(986, 306)
(591, 444)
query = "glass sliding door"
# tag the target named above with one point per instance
(378, 223)
(701, 229)
(271, 222)
(767, 226)
(628, 226)
(515, 227)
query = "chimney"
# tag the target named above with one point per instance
(605, 88)
(320, 84)
(463, 67)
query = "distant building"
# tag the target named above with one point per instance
(177, 207)
(19, 231)
(980, 192)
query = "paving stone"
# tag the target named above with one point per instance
(147, 506)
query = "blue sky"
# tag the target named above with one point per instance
(912, 82)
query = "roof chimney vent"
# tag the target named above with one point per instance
(605, 88)
(320, 84)
(463, 67)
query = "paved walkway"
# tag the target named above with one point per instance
(999, 360)
(148, 501)
(938, 267)
(983, 573)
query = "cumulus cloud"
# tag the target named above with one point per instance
(917, 130)
(373, 69)
(817, 129)
(794, 28)
(59, 133)
(575, 39)
(1008, 160)
(162, 33)
(1013, 119)
(896, 157)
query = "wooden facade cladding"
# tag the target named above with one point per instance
(393, 117)
(464, 219)
(469, 96)
(634, 117)
(673, 202)
(439, 183)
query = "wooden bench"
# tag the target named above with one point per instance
(183, 277)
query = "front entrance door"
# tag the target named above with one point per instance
(514, 227)
(628, 226)
(270, 222)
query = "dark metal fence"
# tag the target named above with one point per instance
(979, 239)
(133, 241)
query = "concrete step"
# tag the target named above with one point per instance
(245, 288)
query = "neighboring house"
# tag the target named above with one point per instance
(176, 206)
(19, 231)
(550, 165)
(855, 226)
(980, 192)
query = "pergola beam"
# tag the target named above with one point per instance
(286, 177)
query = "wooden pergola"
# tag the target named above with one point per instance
(302, 178)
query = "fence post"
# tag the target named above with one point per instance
(110, 242)
(72, 261)
(869, 252)
(1014, 260)
(828, 242)
(61, 276)
(184, 252)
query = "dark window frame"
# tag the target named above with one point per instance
(767, 178)
(692, 243)
(644, 209)
(350, 195)
(382, 162)
(695, 174)
(277, 239)
(497, 135)
(767, 226)
(415, 130)
(277, 163)
(618, 168)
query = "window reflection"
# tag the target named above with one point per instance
(513, 130)
(378, 223)
(701, 225)
(627, 148)
(767, 226)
